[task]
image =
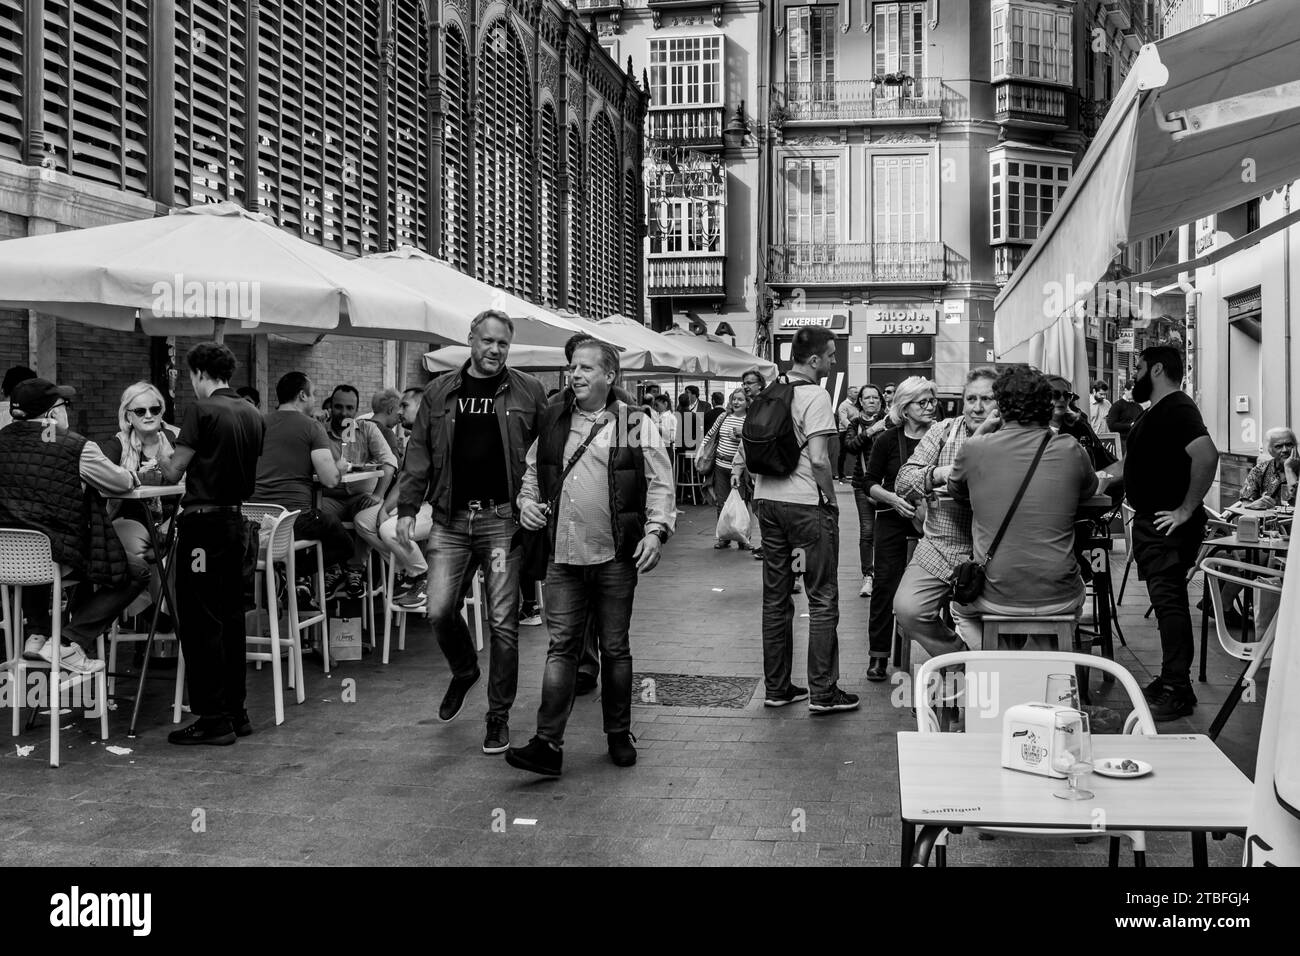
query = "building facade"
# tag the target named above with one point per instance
(701, 67)
(1241, 312)
(917, 150)
(497, 135)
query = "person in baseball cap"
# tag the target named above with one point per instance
(36, 396)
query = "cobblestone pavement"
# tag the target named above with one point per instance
(382, 781)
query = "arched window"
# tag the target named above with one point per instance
(503, 163)
(457, 202)
(574, 219)
(548, 233)
(603, 259)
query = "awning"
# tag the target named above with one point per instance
(1206, 120)
(721, 359)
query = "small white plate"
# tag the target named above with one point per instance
(1110, 767)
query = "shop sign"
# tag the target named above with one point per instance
(835, 321)
(1126, 340)
(902, 321)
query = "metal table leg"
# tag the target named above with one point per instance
(164, 557)
(909, 842)
(925, 843)
(1200, 853)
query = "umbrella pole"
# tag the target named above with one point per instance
(219, 331)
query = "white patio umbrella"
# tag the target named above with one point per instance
(458, 297)
(205, 269)
(720, 359)
(1205, 120)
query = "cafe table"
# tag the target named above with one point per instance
(354, 477)
(163, 555)
(950, 781)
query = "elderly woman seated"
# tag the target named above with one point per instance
(1033, 571)
(1273, 481)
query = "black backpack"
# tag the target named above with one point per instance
(771, 446)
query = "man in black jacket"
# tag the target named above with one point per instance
(614, 509)
(466, 458)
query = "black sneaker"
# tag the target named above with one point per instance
(585, 684)
(243, 726)
(355, 585)
(206, 730)
(1174, 703)
(757, 553)
(621, 750)
(838, 700)
(455, 697)
(792, 694)
(878, 669)
(497, 738)
(538, 757)
(306, 598)
(416, 596)
(336, 583)
(1153, 690)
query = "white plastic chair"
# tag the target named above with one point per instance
(26, 560)
(1257, 578)
(260, 511)
(980, 718)
(474, 610)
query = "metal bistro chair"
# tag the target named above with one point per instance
(26, 560)
(1255, 653)
(982, 718)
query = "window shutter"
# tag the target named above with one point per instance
(576, 181)
(409, 127)
(632, 220)
(457, 204)
(549, 159)
(602, 250)
(11, 80)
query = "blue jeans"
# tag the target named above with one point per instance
(575, 593)
(814, 533)
(474, 540)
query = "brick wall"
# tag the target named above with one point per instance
(13, 339)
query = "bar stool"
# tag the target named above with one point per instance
(26, 560)
(689, 481)
(373, 585)
(266, 514)
(475, 601)
(1049, 632)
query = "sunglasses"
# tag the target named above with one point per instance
(1068, 396)
(154, 410)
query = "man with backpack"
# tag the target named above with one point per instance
(786, 446)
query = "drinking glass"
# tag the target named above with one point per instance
(1072, 752)
(1062, 691)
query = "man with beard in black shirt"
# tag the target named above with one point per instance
(1169, 467)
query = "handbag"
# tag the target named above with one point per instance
(707, 455)
(535, 546)
(969, 578)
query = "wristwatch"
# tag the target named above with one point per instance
(659, 533)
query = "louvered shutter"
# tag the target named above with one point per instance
(11, 80)
(576, 239)
(602, 250)
(548, 207)
(457, 203)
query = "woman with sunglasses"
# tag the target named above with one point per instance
(143, 440)
(910, 417)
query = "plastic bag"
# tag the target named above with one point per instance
(733, 522)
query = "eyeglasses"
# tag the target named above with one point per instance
(154, 410)
(1057, 395)
(58, 405)
(925, 402)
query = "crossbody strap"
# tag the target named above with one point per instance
(578, 453)
(997, 539)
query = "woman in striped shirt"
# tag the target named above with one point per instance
(728, 436)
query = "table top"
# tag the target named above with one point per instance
(1263, 544)
(149, 491)
(958, 780)
(354, 476)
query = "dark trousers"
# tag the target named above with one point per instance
(892, 532)
(800, 539)
(93, 611)
(579, 598)
(1163, 562)
(325, 527)
(866, 531)
(210, 614)
(841, 450)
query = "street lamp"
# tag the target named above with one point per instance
(737, 128)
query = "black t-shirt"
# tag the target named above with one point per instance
(225, 433)
(1157, 468)
(478, 461)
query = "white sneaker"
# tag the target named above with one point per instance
(532, 620)
(865, 590)
(32, 648)
(73, 659)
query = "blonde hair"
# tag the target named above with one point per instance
(129, 396)
(908, 391)
(743, 397)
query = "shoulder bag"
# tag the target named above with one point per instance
(918, 516)
(536, 546)
(968, 579)
(706, 456)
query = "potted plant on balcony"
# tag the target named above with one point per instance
(778, 115)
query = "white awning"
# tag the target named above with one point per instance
(1206, 119)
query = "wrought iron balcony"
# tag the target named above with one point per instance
(1016, 103)
(683, 275)
(829, 263)
(821, 101)
(696, 127)
(1006, 259)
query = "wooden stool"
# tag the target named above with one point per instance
(1050, 632)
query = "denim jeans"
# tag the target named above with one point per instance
(575, 594)
(808, 536)
(866, 531)
(1163, 562)
(474, 540)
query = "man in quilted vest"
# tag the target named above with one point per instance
(45, 471)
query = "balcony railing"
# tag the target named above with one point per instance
(1024, 102)
(1006, 259)
(696, 127)
(1117, 12)
(688, 275)
(810, 263)
(598, 5)
(838, 100)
